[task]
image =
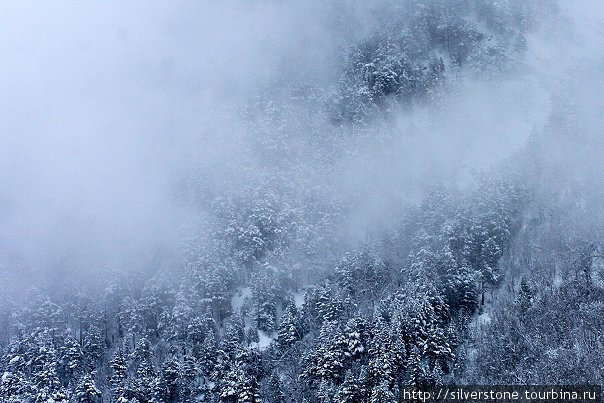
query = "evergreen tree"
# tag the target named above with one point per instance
(118, 376)
(382, 393)
(87, 391)
(289, 328)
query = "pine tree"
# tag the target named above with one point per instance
(326, 391)
(382, 393)
(383, 366)
(350, 390)
(118, 376)
(92, 347)
(327, 362)
(252, 335)
(264, 296)
(525, 296)
(273, 392)
(14, 384)
(142, 363)
(87, 391)
(159, 391)
(170, 375)
(289, 328)
(71, 359)
(45, 373)
(208, 358)
(489, 270)
(188, 382)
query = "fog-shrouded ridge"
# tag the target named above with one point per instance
(106, 104)
(262, 201)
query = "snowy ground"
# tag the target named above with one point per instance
(237, 302)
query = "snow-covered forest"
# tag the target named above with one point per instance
(282, 201)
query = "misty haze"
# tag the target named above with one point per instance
(299, 201)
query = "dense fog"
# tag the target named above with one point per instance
(209, 201)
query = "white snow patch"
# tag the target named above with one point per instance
(264, 340)
(239, 297)
(483, 318)
(299, 298)
(557, 279)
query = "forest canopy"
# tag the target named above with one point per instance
(299, 201)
